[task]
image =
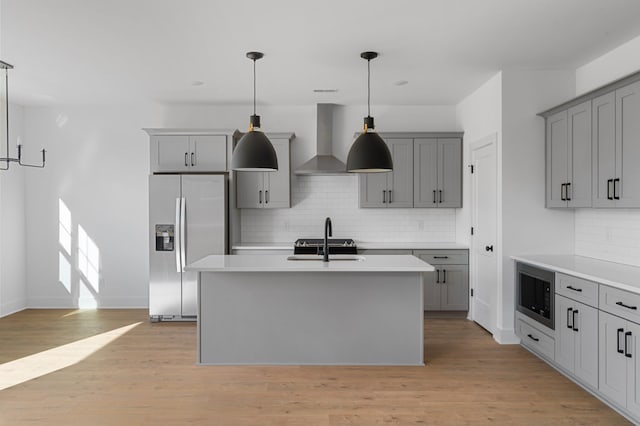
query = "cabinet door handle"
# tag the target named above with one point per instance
(186, 159)
(440, 257)
(390, 197)
(440, 195)
(260, 197)
(616, 189)
(444, 275)
(562, 188)
(193, 162)
(633, 308)
(626, 352)
(489, 248)
(609, 183)
(438, 276)
(533, 338)
(575, 328)
(574, 289)
(620, 331)
(566, 191)
(434, 196)
(266, 196)
(569, 318)
(384, 196)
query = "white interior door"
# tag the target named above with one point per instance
(484, 265)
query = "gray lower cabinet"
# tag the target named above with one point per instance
(447, 288)
(576, 342)
(619, 365)
(395, 188)
(437, 172)
(568, 138)
(266, 190)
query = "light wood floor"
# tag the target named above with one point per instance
(148, 376)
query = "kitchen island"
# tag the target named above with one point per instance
(266, 309)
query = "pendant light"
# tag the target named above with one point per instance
(254, 152)
(5, 67)
(369, 153)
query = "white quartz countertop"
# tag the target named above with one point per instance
(365, 245)
(624, 277)
(279, 263)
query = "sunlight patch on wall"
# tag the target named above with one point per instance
(89, 267)
(64, 226)
(64, 272)
(33, 366)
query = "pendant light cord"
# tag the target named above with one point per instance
(254, 87)
(369, 87)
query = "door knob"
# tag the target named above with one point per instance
(489, 248)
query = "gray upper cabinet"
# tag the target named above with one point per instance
(188, 153)
(616, 151)
(437, 172)
(568, 136)
(267, 190)
(395, 188)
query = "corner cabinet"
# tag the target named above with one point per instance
(592, 148)
(189, 150)
(395, 188)
(427, 172)
(267, 190)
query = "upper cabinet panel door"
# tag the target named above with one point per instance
(557, 159)
(373, 189)
(450, 172)
(627, 184)
(425, 172)
(603, 113)
(578, 191)
(170, 153)
(250, 190)
(277, 188)
(208, 153)
(400, 185)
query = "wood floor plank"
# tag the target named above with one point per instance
(148, 375)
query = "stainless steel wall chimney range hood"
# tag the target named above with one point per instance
(324, 163)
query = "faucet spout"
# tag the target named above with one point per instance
(328, 232)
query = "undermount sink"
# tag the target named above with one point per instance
(332, 257)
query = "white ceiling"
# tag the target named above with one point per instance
(105, 51)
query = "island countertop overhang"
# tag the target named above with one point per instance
(279, 263)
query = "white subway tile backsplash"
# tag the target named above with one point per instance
(315, 197)
(612, 235)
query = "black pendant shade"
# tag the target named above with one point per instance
(369, 153)
(254, 152)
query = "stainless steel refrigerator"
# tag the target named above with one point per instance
(187, 221)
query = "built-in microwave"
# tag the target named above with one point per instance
(535, 290)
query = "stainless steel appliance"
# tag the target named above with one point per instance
(535, 290)
(315, 246)
(187, 220)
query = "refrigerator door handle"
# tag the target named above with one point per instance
(178, 236)
(183, 233)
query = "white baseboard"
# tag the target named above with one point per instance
(103, 303)
(506, 336)
(12, 307)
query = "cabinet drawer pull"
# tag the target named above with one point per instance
(634, 308)
(440, 257)
(616, 190)
(533, 338)
(444, 275)
(438, 276)
(260, 197)
(562, 192)
(193, 161)
(626, 352)
(574, 289)
(609, 183)
(390, 197)
(266, 196)
(566, 191)
(569, 318)
(440, 195)
(384, 196)
(434, 196)
(186, 159)
(620, 331)
(575, 328)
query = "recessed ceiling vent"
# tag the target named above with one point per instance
(324, 163)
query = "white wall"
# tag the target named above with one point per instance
(608, 234)
(527, 226)
(97, 165)
(13, 286)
